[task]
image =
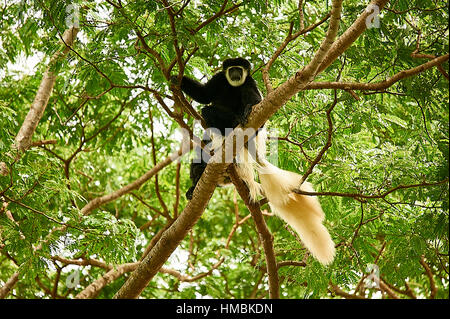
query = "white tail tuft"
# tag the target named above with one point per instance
(301, 212)
(245, 167)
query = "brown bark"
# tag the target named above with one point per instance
(25, 134)
(350, 35)
(93, 289)
(4, 291)
(172, 237)
(264, 233)
(379, 86)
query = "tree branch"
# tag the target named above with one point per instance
(363, 196)
(350, 35)
(383, 85)
(264, 233)
(172, 237)
(29, 125)
(433, 288)
(10, 283)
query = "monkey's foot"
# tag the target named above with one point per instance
(190, 192)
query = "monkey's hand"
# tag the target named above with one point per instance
(190, 192)
(243, 118)
(174, 80)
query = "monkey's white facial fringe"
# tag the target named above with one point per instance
(241, 80)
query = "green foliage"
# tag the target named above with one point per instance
(107, 124)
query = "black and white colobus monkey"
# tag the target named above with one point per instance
(231, 94)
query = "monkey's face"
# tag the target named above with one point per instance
(236, 70)
(236, 75)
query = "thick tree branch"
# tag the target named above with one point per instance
(308, 72)
(10, 283)
(350, 35)
(172, 237)
(25, 134)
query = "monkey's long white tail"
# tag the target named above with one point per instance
(303, 213)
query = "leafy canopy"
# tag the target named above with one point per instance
(110, 128)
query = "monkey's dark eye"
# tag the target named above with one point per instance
(235, 73)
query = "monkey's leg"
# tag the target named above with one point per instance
(196, 171)
(198, 164)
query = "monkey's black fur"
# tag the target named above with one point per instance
(228, 106)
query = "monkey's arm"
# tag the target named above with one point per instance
(201, 93)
